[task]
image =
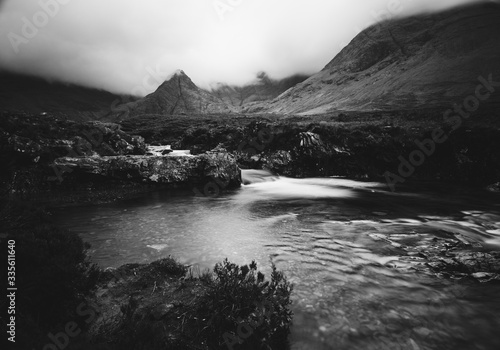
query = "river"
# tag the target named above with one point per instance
(352, 250)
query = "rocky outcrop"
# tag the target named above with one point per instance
(367, 146)
(494, 187)
(448, 255)
(430, 60)
(97, 162)
(296, 153)
(177, 170)
(47, 137)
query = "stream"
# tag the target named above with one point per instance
(353, 251)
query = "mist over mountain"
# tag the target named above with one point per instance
(177, 95)
(262, 88)
(115, 45)
(424, 61)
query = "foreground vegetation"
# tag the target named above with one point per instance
(164, 306)
(53, 273)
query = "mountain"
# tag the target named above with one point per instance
(177, 95)
(425, 61)
(23, 93)
(262, 89)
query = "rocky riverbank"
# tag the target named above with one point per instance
(356, 145)
(93, 162)
(96, 161)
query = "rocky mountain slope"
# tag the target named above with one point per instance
(22, 93)
(177, 95)
(425, 61)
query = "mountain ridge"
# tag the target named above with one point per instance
(425, 61)
(36, 95)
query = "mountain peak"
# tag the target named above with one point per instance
(177, 73)
(179, 95)
(176, 78)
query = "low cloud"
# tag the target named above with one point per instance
(117, 44)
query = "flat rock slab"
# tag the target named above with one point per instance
(158, 169)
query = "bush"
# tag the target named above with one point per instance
(232, 308)
(170, 267)
(241, 310)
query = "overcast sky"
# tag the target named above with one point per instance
(130, 46)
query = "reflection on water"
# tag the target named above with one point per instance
(354, 287)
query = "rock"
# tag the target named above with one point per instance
(24, 145)
(277, 161)
(436, 266)
(161, 311)
(82, 146)
(483, 275)
(310, 140)
(311, 144)
(423, 332)
(450, 263)
(182, 170)
(482, 266)
(478, 262)
(494, 187)
(323, 329)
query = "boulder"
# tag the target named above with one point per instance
(494, 187)
(169, 169)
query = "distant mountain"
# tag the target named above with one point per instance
(430, 60)
(262, 89)
(22, 93)
(177, 95)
